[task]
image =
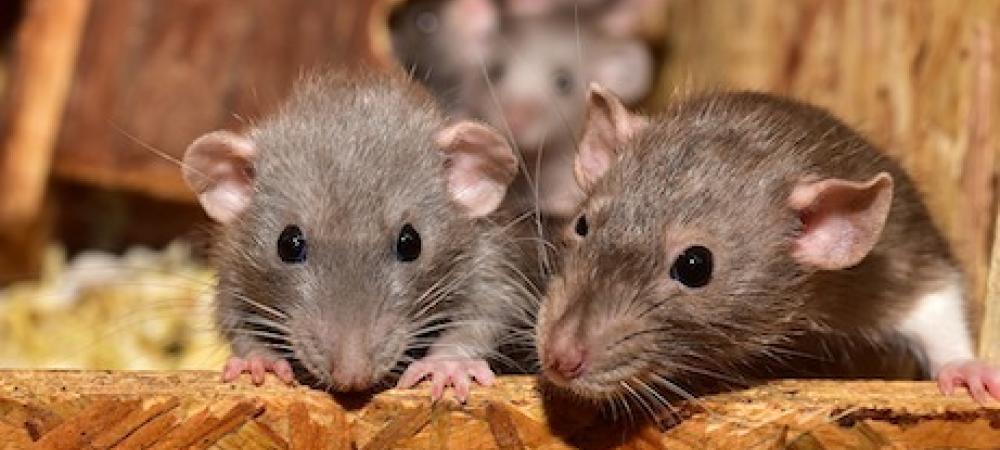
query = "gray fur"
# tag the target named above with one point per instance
(350, 159)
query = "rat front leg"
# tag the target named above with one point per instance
(938, 329)
(255, 359)
(450, 362)
(979, 377)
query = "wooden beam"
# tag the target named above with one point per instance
(45, 55)
(153, 76)
(194, 409)
(31, 111)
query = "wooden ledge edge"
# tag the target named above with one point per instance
(890, 394)
(194, 407)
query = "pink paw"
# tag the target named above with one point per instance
(977, 376)
(257, 366)
(457, 373)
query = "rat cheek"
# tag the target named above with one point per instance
(554, 305)
(390, 344)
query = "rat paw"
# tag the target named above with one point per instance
(458, 373)
(257, 367)
(981, 379)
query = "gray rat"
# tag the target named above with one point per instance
(356, 232)
(536, 72)
(729, 235)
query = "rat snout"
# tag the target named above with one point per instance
(568, 361)
(565, 357)
(351, 375)
(521, 115)
(351, 367)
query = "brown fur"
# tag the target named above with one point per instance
(718, 171)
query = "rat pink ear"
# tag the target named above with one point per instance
(480, 165)
(218, 167)
(842, 220)
(609, 125)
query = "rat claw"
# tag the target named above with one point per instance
(461, 385)
(257, 370)
(991, 378)
(233, 368)
(284, 371)
(482, 374)
(976, 388)
(458, 373)
(946, 385)
(437, 387)
(981, 380)
(257, 367)
(413, 374)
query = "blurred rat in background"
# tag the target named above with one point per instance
(530, 64)
(728, 239)
(358, 239)
(442, 43)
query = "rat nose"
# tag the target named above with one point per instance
(567, 360)
(351, 376)
(520, 114)
(351, 368)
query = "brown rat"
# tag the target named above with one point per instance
(729, 235)
(356, 233)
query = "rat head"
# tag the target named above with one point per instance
(693, 253)
(339, 217)
(538, 70)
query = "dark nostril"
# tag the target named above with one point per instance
(569, 361)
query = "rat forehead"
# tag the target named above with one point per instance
(335, 137)
(532, 42)
(669, 180)
(352, 207)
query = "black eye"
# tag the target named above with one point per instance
(495, 72)
(292, 245)
(408, 244)
(427, 22)
(582, 227)
(564, 82)
(693, 268)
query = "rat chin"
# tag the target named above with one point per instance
(599, 386)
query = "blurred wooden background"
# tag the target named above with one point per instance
(918, 77)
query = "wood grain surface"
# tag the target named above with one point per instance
(71, 409)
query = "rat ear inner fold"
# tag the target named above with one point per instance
(841, 220)
(609, 125)
(218, 167)
(479, 166)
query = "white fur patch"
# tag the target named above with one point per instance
(938, 328)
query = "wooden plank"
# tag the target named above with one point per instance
(34, 94)
(153, 76)
(784, 414)
(44, 58)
